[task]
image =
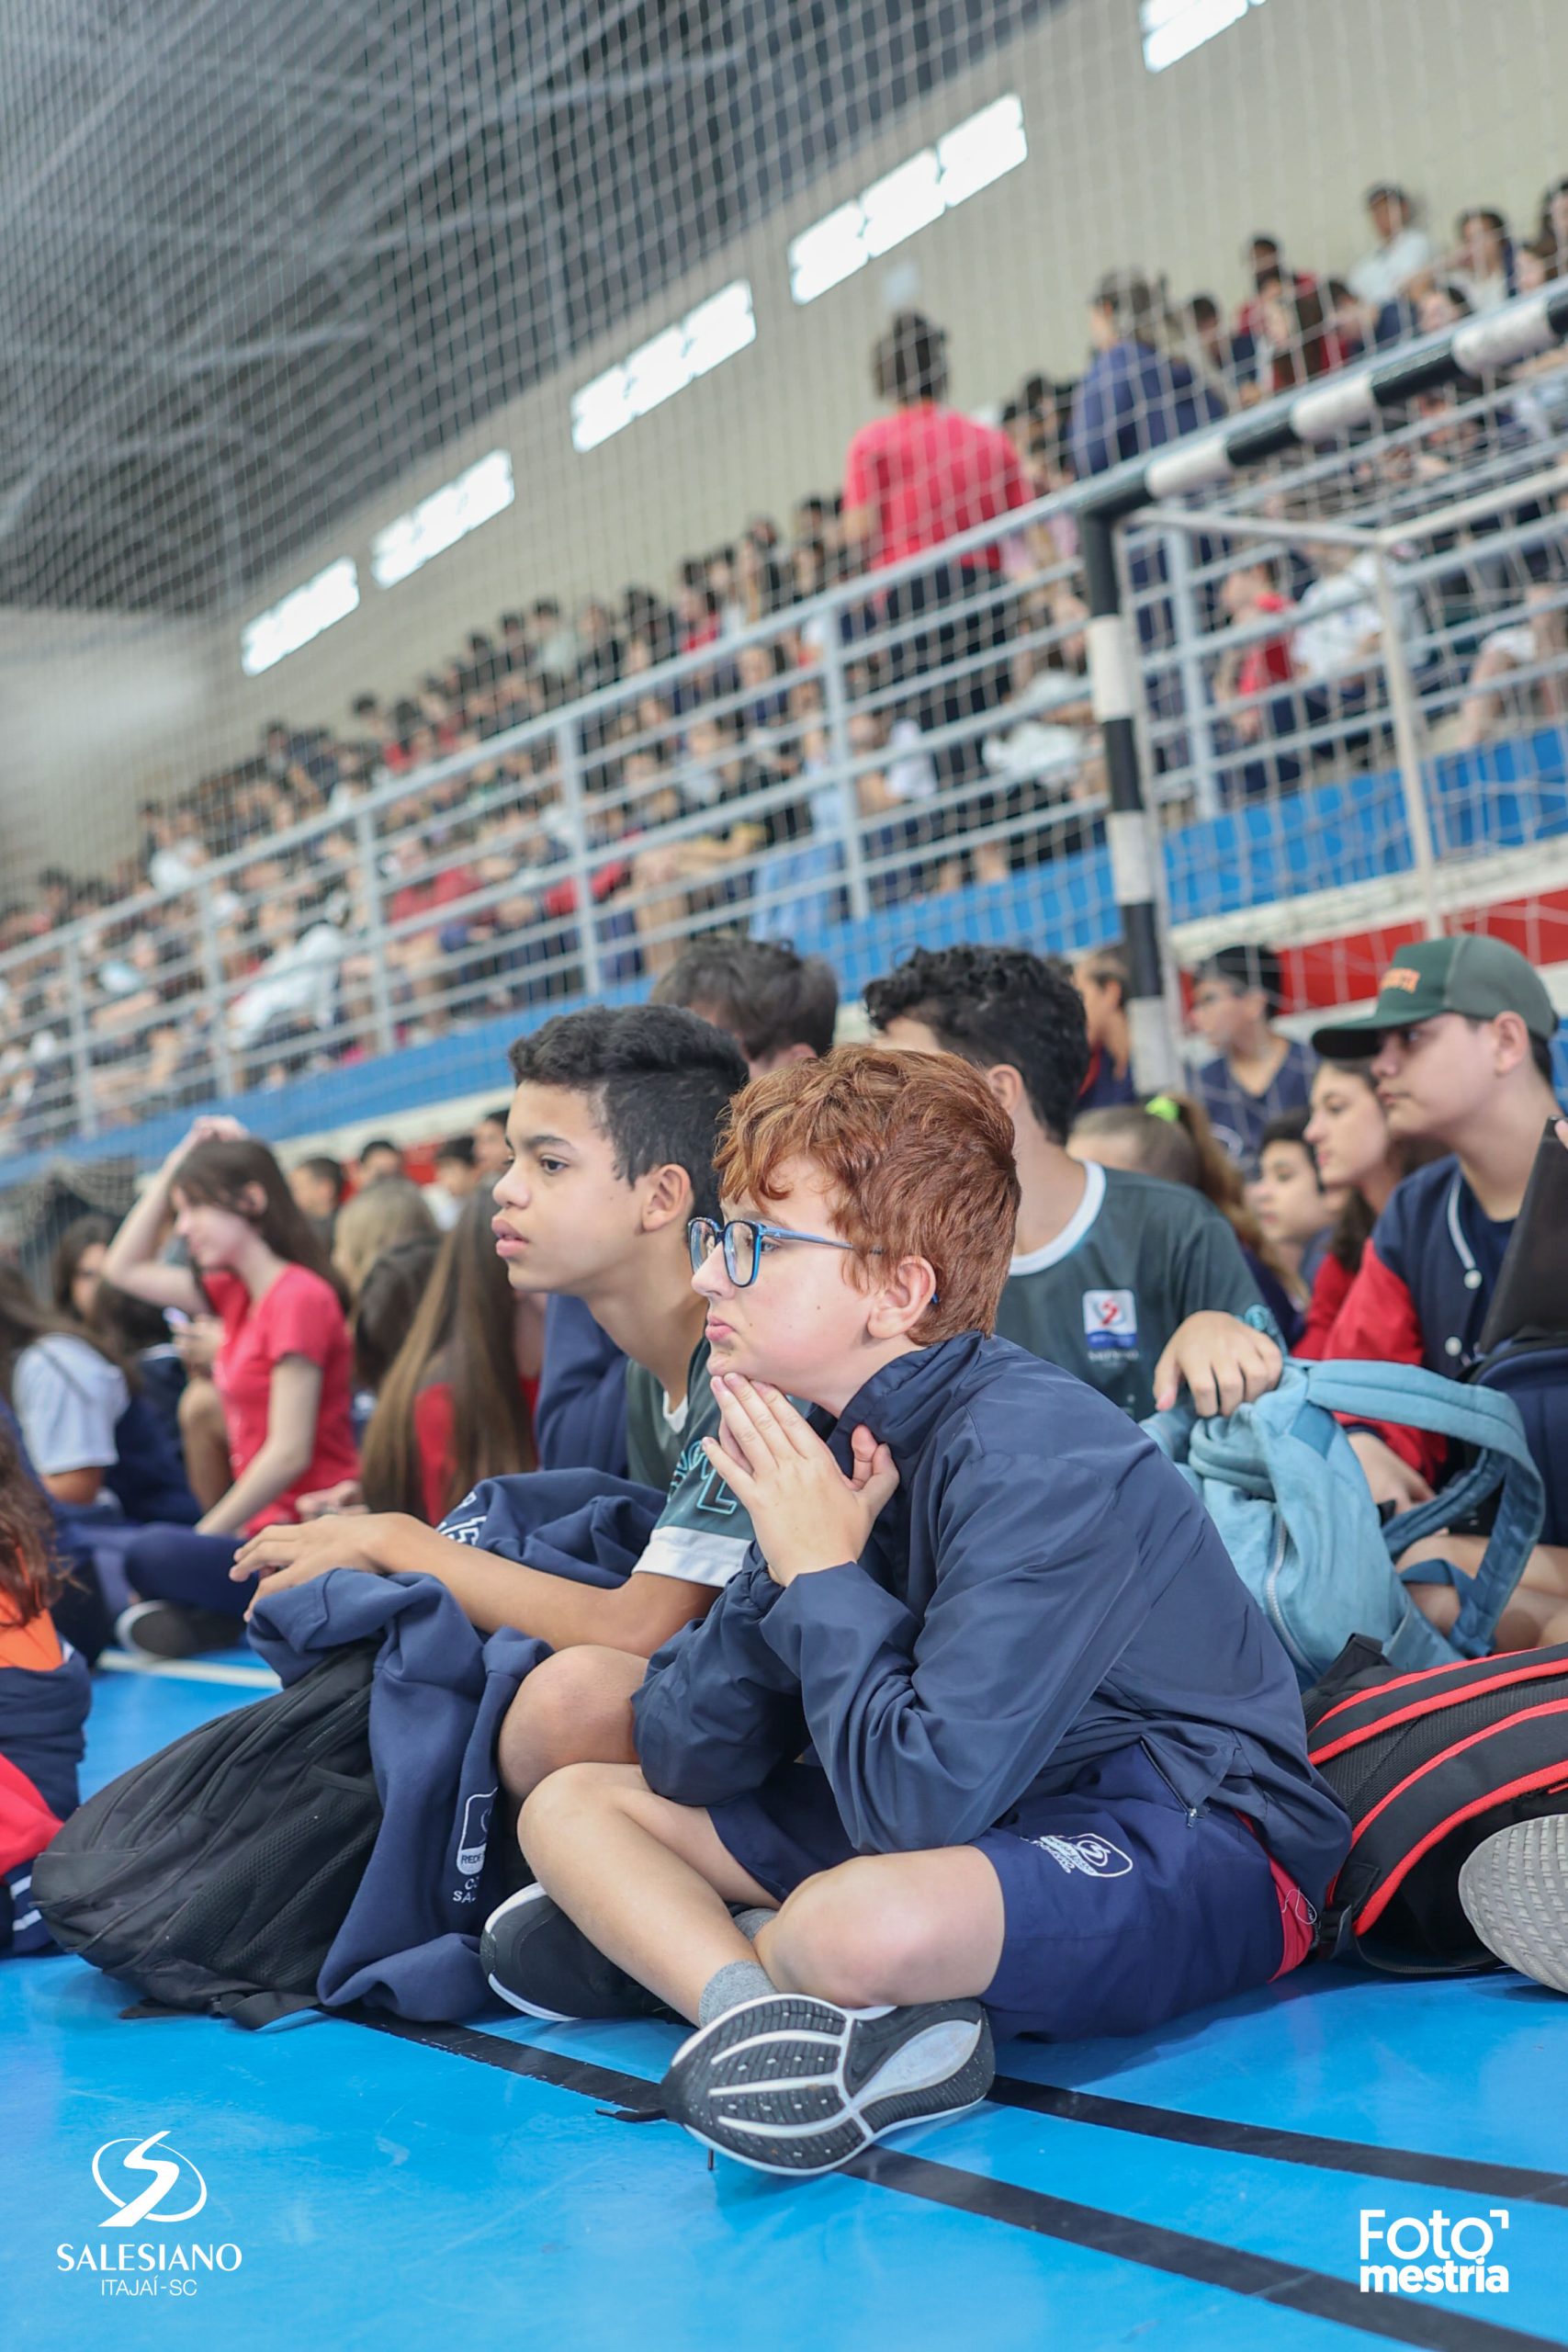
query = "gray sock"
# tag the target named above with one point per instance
(751, 1923)
(730, 1987)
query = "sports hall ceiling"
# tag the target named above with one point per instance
(258, 257)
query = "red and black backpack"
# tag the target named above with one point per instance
(1428, 1765)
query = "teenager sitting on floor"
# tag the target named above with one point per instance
(282, 1369)
(1133, 1284)
(612, 1129)
(1057, 1780)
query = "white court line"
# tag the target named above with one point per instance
(185, 1669)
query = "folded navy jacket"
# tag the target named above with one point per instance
(439, 1690)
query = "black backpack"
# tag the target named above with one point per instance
(214, 1876)
(1428, 1765)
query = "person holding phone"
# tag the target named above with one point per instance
(281, 1371)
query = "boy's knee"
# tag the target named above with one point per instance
(569, 1801)
(847, 1937)
(573, 1708)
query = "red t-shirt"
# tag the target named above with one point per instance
(928, 473)
(433, 1420)
(425, 897)
(1267, 664)
(298, 1316)
(1329, 1292)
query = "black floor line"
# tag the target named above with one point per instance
(1515, 2181)
(1204, 2260)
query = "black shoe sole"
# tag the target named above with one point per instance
(796, 2086)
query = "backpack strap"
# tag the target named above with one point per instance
(1477, 1417)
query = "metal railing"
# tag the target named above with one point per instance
(905, 755)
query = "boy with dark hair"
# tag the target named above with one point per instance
(778, 1006)
(458, 1174)
(1103, 981)
(1132, 1284)
(612, 1130)
(491, 1156)
(1057, 1780)
(1257, 1074)
(318, 1186)
(380, 1158)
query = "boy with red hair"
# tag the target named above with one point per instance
(987, 1734)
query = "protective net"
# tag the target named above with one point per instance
(448, 453)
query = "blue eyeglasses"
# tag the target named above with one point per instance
(742, 1241)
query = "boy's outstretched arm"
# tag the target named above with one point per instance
(639, 1616)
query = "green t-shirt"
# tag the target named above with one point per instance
(1137, 1258)
(703, 1531)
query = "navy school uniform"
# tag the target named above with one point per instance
(1044, 1653)
(580, 1417)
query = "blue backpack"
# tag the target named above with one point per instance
(1281, 1483)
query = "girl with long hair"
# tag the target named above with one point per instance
(456, 1404)
(379, 1217)
(76, 1268)
(1349, 1133)
(282, 1369)
(1170, 1137)
(94, 1442)
(44, 1696)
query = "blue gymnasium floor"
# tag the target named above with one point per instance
(416, 2187)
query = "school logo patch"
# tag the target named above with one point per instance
(1095, 1856)
(1110, 1322)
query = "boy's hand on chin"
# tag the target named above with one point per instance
(807, 1515)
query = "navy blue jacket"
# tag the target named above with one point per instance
(1132, 399)
(42, 1716)
(1042, 1590)
(438, 1692)
(410, 1943)
(147, 1477)
(579, 1419)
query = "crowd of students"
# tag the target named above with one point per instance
(932, 1707)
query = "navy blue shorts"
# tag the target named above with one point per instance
(177, 1563)
(1121, 1910)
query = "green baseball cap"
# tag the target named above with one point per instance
(1466, 974)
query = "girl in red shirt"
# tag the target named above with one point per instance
(282, 1369)
(1348, 1134)
(457, 1404)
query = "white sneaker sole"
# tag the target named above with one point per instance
(797, 2087)
(1514, 1889)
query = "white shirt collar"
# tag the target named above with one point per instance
(1072, 1232)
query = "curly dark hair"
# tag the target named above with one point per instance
(997, 1005)
(660, 1078)
(759, 990)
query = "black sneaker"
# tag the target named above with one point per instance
(1514, 1893)
(171, 1629)
(540, 1964)
(797, 2086)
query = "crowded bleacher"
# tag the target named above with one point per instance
(717, 792)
